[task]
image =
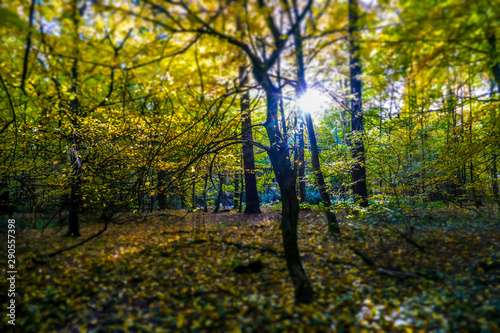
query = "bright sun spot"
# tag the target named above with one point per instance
(312, 101)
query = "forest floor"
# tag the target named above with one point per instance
(226, 272)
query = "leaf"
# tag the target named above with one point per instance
(180, 320)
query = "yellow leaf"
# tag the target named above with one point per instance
(180, 320)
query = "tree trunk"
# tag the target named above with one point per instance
(5, 204)
(162, 193)
(358, 148)
(193, 194)
(34, 202)
(74, 204)
(219, 194)
(494, 176)
(495, 69)
(74, 199)
(75, 195)
(286, 178)
(240, 205)
(302, 163)
(251, 194)
(205, 205)
(333, 226)
(236, 197)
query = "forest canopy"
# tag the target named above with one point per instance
(307, 142)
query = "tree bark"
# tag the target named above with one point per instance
(251, 193)
(358, 173)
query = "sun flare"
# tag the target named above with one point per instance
(312, 101)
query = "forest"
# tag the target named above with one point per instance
(250, 165)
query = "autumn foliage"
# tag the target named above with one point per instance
(176, 146)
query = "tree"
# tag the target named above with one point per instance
(252, 204)
(359, 188)
(333, 226)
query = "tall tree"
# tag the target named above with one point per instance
(495, 73)
(76, 161)
(359, 188)
(333, 226)
(252, 204)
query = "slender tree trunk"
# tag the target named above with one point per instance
(183, 200)
(76, 176)
(240, 202)
(193, 194)
(162, 191)
(286, 178)
(34, 202)
(205, 205)
(74, 203)
(494, 158)
(5, 204)
(358, 148)
(333, 226)
(236, 198)
(219, 194)
(302, 163)
(24, 74)
(477, 198)
(75, 195)
(251, 193)
(494, 177)
(495, 69)
(140, 195)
